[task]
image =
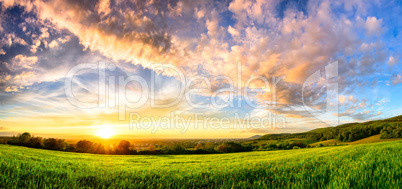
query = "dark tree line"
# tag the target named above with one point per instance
(124, 147)
(25, 139)
(281, 145)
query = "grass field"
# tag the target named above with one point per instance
(376, 165)
(373, 139)
(370, 139)
(261, 142)
(330, 142)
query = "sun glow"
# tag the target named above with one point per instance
(105, 132)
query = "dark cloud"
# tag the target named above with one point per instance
(8, 134)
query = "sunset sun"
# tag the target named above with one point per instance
(105, 132)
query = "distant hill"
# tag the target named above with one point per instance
(254, 137)
(386, 128)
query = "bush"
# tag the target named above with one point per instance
(151, 148)
(84, 146)
(173, 149)
(35, 142)
(24, 138)
(231, 147)
(199, 147)
(3, 141)
(209, 146)
(123, 147)
(54, 144)
(97, 148)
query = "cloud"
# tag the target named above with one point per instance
(342, 99)
(22, 61)
(268, 40)
(53, 44)
(373, 26)
(14, 40)
(382, 101)
(8, 133)
(360, 116)
(11, 89)
(103, 7)
(397, 79)
(152, 32)
(142, 37)
(363, 103)
(233, 31)
(392, 61)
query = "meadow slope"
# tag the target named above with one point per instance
(377, 165)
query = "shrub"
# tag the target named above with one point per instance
(231, 147)
(54, 144)
(209, 146)
(173, 149)
(123, 147)
(35, 142)
(199, 147)
(3, 141)
(97, 148)
(151, 148)
(84, 146)
(24, 138)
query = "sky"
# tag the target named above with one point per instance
(196, 69)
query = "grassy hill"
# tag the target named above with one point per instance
(387, 128)
(376, 165)
(371, 139)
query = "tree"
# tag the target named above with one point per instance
(350, 137)
(97, 148)
(151, 148)
(123, 147)
(173, 149)
(396, 134)
(209, 146)
(3, 141)
(231, 147)
(35, 142)
(199, 147)
(84, 145)
(24, 138)
(384, 134)
(54, 144)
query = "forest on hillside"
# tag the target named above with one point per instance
(388, 128)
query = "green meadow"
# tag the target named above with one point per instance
(374, 165)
